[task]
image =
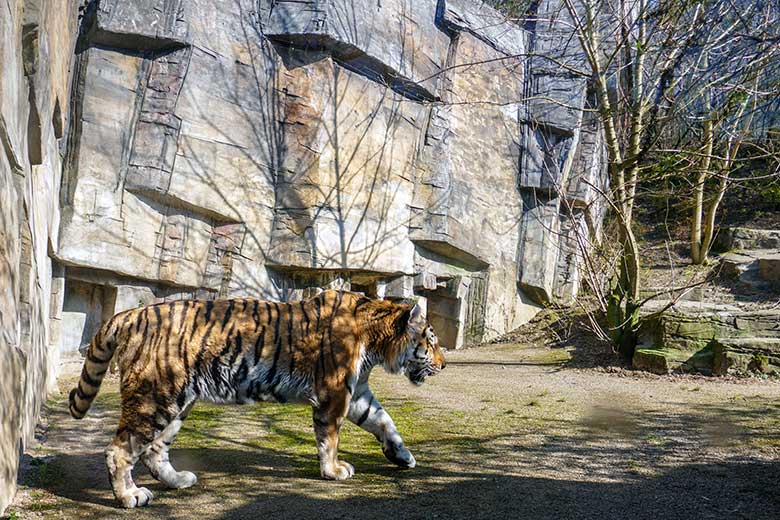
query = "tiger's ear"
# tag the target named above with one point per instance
(416, 319)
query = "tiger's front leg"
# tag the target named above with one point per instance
(366, 412)
(328, 418)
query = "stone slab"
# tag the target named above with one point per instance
(742, 238)
(741, 356)
(396, 41)
(769, 268)
(538, 252)
(139, 24)
(669, 361)
(486, 24)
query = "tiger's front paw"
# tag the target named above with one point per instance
(182, 479)
(399, 455)
(339, 471)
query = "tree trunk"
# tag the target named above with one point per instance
(698, 248)
(623, 306)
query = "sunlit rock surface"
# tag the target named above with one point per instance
(284, 146)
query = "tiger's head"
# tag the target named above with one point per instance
(423, 356)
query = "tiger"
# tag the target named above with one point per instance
(240, 351)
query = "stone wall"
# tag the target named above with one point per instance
(36, 51)
(154, 150)
(290, 145)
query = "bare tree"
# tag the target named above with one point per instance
(649, 62)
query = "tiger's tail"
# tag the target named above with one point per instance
(99, 355)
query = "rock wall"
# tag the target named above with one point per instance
(402, 148)
(36, 50)
(389, 147)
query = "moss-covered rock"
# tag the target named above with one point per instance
(658, 361)
(739, 356)
(685, 339)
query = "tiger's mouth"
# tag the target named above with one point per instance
(418, 374)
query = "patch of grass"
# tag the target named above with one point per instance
(553, 356)
(47, 472)
(654, 439)
(199, 426)
(42, 507)
(533, 402)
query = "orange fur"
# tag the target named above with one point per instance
(240, 351)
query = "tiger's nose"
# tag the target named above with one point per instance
(443, 365)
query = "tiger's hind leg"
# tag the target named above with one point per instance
(155, 456)
(366, 412)
(328, 418)
(143, 419)
(121, 456)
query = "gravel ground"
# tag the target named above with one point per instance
(506, 431)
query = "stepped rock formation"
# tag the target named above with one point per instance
(162, 149)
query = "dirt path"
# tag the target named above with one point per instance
(506, 431)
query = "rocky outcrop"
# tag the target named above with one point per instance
(402, 148)
(756, 269)
(375, 146)
(562, 162)
(36, 51)
(708, 339)
(742, 238)
(740, 356)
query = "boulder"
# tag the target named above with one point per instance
(769, 268)
(740, 356)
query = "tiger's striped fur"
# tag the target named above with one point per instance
(319, 351)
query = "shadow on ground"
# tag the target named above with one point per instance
(730, 490)
(532, 441)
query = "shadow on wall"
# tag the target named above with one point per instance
(352, 194)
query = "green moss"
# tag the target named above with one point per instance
(199, 428)
(759, 362)
(695, 330)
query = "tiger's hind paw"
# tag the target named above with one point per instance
(137, 497)
(339, 471)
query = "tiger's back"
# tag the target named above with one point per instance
(240, 350)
